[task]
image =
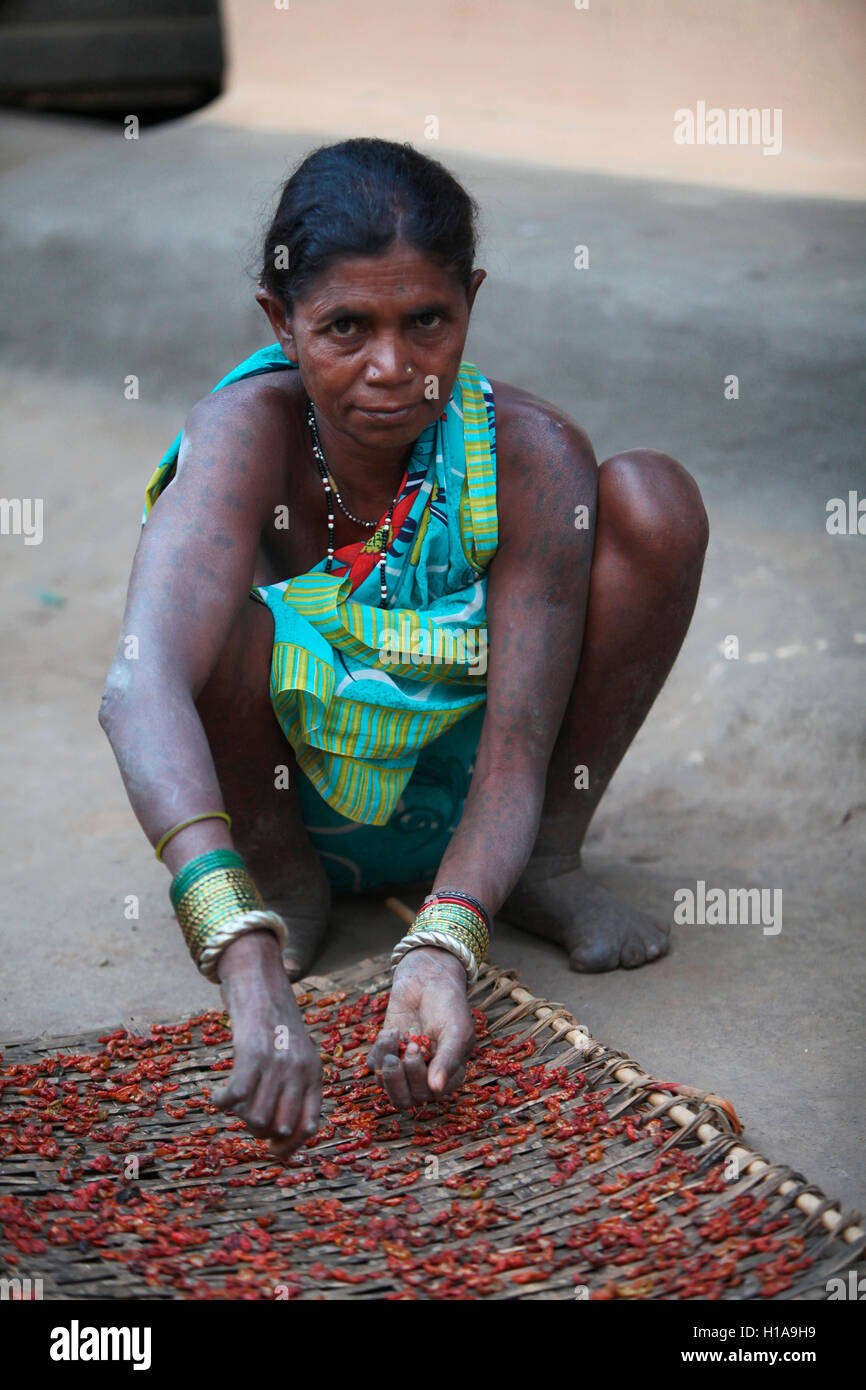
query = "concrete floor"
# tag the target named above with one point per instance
(133, 258)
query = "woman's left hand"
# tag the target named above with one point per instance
(428, 997)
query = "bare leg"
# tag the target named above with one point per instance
(651, 535)
(248, 748)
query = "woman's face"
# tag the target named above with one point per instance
(361, 327)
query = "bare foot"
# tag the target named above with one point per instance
(303, 900)
(554, 899)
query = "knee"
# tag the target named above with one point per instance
(654, 506)
(240, 679)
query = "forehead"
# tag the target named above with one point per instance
(399, 275)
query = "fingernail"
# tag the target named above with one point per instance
(391, 1060)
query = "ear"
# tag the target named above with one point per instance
(280, 322)
(474, 284)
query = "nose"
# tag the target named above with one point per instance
(387, 361)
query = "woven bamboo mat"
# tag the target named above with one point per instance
(560, 1170)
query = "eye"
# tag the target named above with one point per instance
(343, 327)
(429, 315)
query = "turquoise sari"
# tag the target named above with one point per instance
(383, 706)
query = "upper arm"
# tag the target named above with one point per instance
(538, 580)
(196, 557)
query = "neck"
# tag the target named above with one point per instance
(364, 474)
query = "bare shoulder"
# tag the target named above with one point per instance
(251, 412)
(237, 446)
(545, 464)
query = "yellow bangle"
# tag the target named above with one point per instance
(205, 815)
(454, 919)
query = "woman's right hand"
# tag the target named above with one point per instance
(275, 1085)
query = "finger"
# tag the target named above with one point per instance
(311, 1112)
(306, 1124)
(454, 1082)
(240, 1086)
(451, 1055)
(395, 1083)
(287, 1112)
(387, 1041)
(258, 1114)
(415, 1070)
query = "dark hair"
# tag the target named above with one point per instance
(358, 197)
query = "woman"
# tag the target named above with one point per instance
(458, 623)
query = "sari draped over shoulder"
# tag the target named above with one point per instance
(359, 690)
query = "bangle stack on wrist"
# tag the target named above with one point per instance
(216, 901)
(452, 921)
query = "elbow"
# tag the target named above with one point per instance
(127, 702)
(107, 712)
(110, 706)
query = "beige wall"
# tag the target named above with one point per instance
(540, 80)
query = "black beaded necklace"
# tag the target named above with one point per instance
(330, 486)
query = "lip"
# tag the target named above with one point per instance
(387, 413)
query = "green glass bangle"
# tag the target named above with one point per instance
(456, 920)
(198, 867)
(434, 913)
(212, 903)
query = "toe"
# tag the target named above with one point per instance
(658, 944)
(294, 968)
(633, 953)
(592, 957)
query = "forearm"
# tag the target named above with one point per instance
(166, 764)
(493, 841)
(168, 771)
